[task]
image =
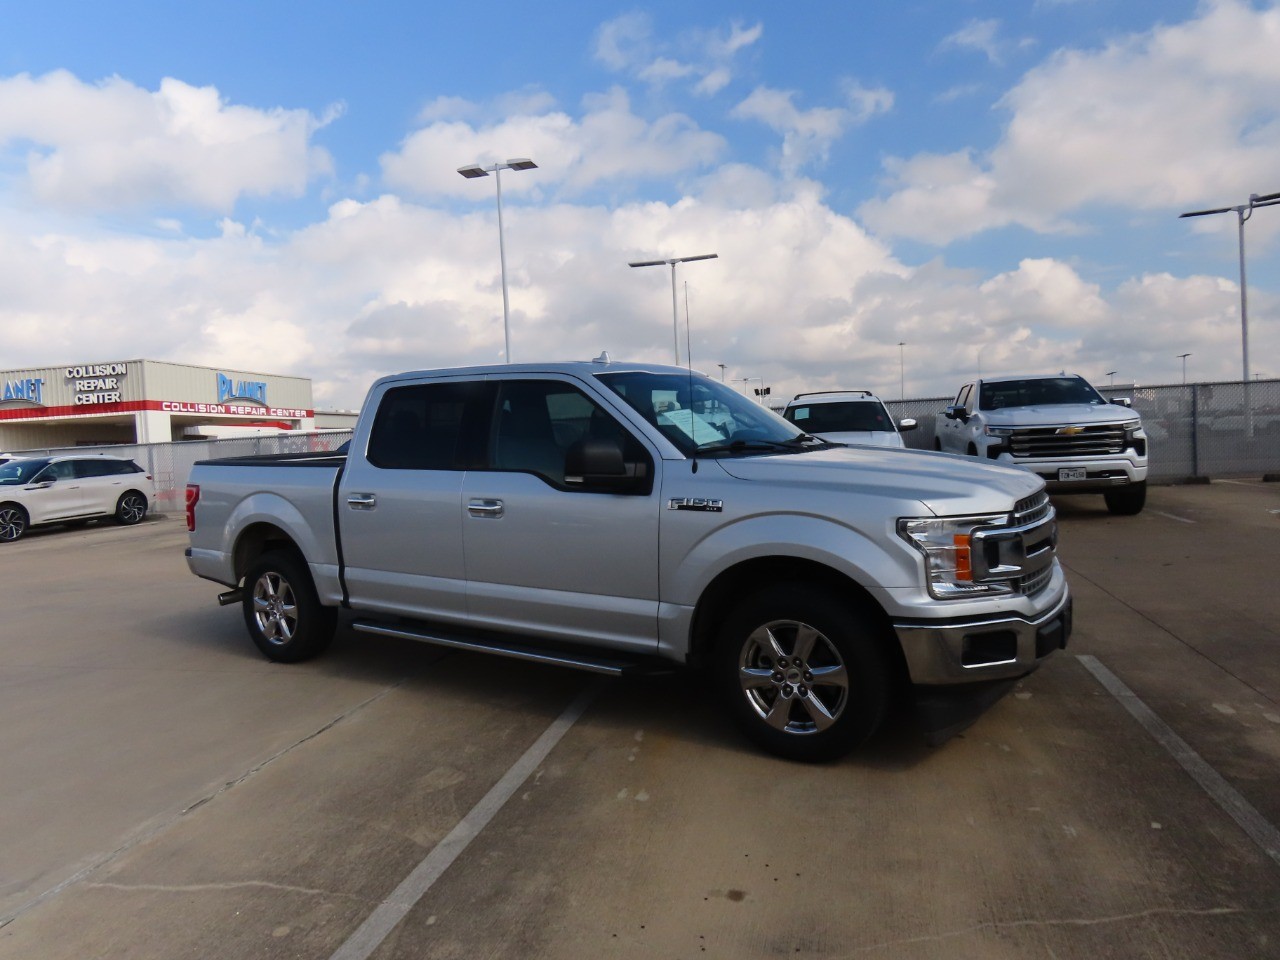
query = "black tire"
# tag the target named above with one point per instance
(1127, 500)
(13, 522)
(131, 508)
(284, 616)
(973, 450)
(779, 699)
(937, 444)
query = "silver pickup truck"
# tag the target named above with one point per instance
(1058, 427)
(614, 516)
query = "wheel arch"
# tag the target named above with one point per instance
(749, 576)
(257, 539)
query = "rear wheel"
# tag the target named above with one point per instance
(1127, 500)
(131, 508)
(13, 522)
(802, 673)
(282, 611)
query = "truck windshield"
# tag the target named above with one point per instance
(1037, 392)
(843, 416)
(701, 415)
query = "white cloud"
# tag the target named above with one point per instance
(807, 135)
(608, 143)
(626, 44)
(114, 145)
(979, 35)
(1181, 115)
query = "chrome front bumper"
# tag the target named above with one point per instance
(983, 648)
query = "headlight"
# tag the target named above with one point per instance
(944, 541)
(998, 431)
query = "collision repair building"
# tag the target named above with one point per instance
(145, 401)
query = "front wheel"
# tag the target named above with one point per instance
(284, 615)
(1127, 500)
(131, 508)
(802, 673)
(13, 522)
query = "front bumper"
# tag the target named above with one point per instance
(1101, 473)
(976, 649)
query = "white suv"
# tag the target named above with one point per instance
(71, 489)
(847, 416)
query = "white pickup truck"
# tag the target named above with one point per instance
(1058, 427)
(610, 516)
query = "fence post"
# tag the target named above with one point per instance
(1195, 430)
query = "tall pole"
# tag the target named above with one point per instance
(675, 313)
(675, 309)
(902, 382)
(1241, 217)
(1243, 212)
(502, 262)
(471, 171)
(1184, 356)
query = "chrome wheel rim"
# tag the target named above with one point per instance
(793, 677)
(275, 610)
(11, 524)
(132, 509)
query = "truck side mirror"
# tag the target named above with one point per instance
(956, 412)
(1122, 401)
(599, 463)
(908, 424)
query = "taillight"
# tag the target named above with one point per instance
(193, 497)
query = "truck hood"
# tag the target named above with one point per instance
(1060, 413)
(946, 484)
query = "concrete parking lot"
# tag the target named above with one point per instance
(168, 793)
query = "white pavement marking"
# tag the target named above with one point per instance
(1172, 517)
(370, 934)
(1224, 795)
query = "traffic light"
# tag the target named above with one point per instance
(762, 391)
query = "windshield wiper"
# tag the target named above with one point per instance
(800, 442)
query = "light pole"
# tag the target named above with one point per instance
(759, 393)
(1112, 375)
(902, 388)
(721, 366)
(1183, 358)
(675, 314)
(471, 172)
(1243, 212)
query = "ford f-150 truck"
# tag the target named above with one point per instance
(1057, 426)
(607, 516)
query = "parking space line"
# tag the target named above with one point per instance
(370, 934)
(1171, 516)
(1223, 794)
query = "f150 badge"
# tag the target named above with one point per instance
(701, 504)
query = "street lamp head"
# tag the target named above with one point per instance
(471, 171)
(521, 163)
(648, 263)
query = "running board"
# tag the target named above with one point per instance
(558, 658)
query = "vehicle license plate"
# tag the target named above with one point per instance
(1072, 473)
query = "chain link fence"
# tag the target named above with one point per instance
(1197, 430)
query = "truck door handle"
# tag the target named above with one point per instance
(485, 508)
(362, 501)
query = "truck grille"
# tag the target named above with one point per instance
(1099, 439)
(1030, 509)
(1022, 553)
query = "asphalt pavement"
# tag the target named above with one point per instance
(168, 793)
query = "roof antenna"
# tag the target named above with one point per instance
(603, 358)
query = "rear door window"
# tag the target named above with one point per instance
(430, 426)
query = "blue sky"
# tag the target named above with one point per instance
(273, 187)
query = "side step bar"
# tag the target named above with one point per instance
(558, 658)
